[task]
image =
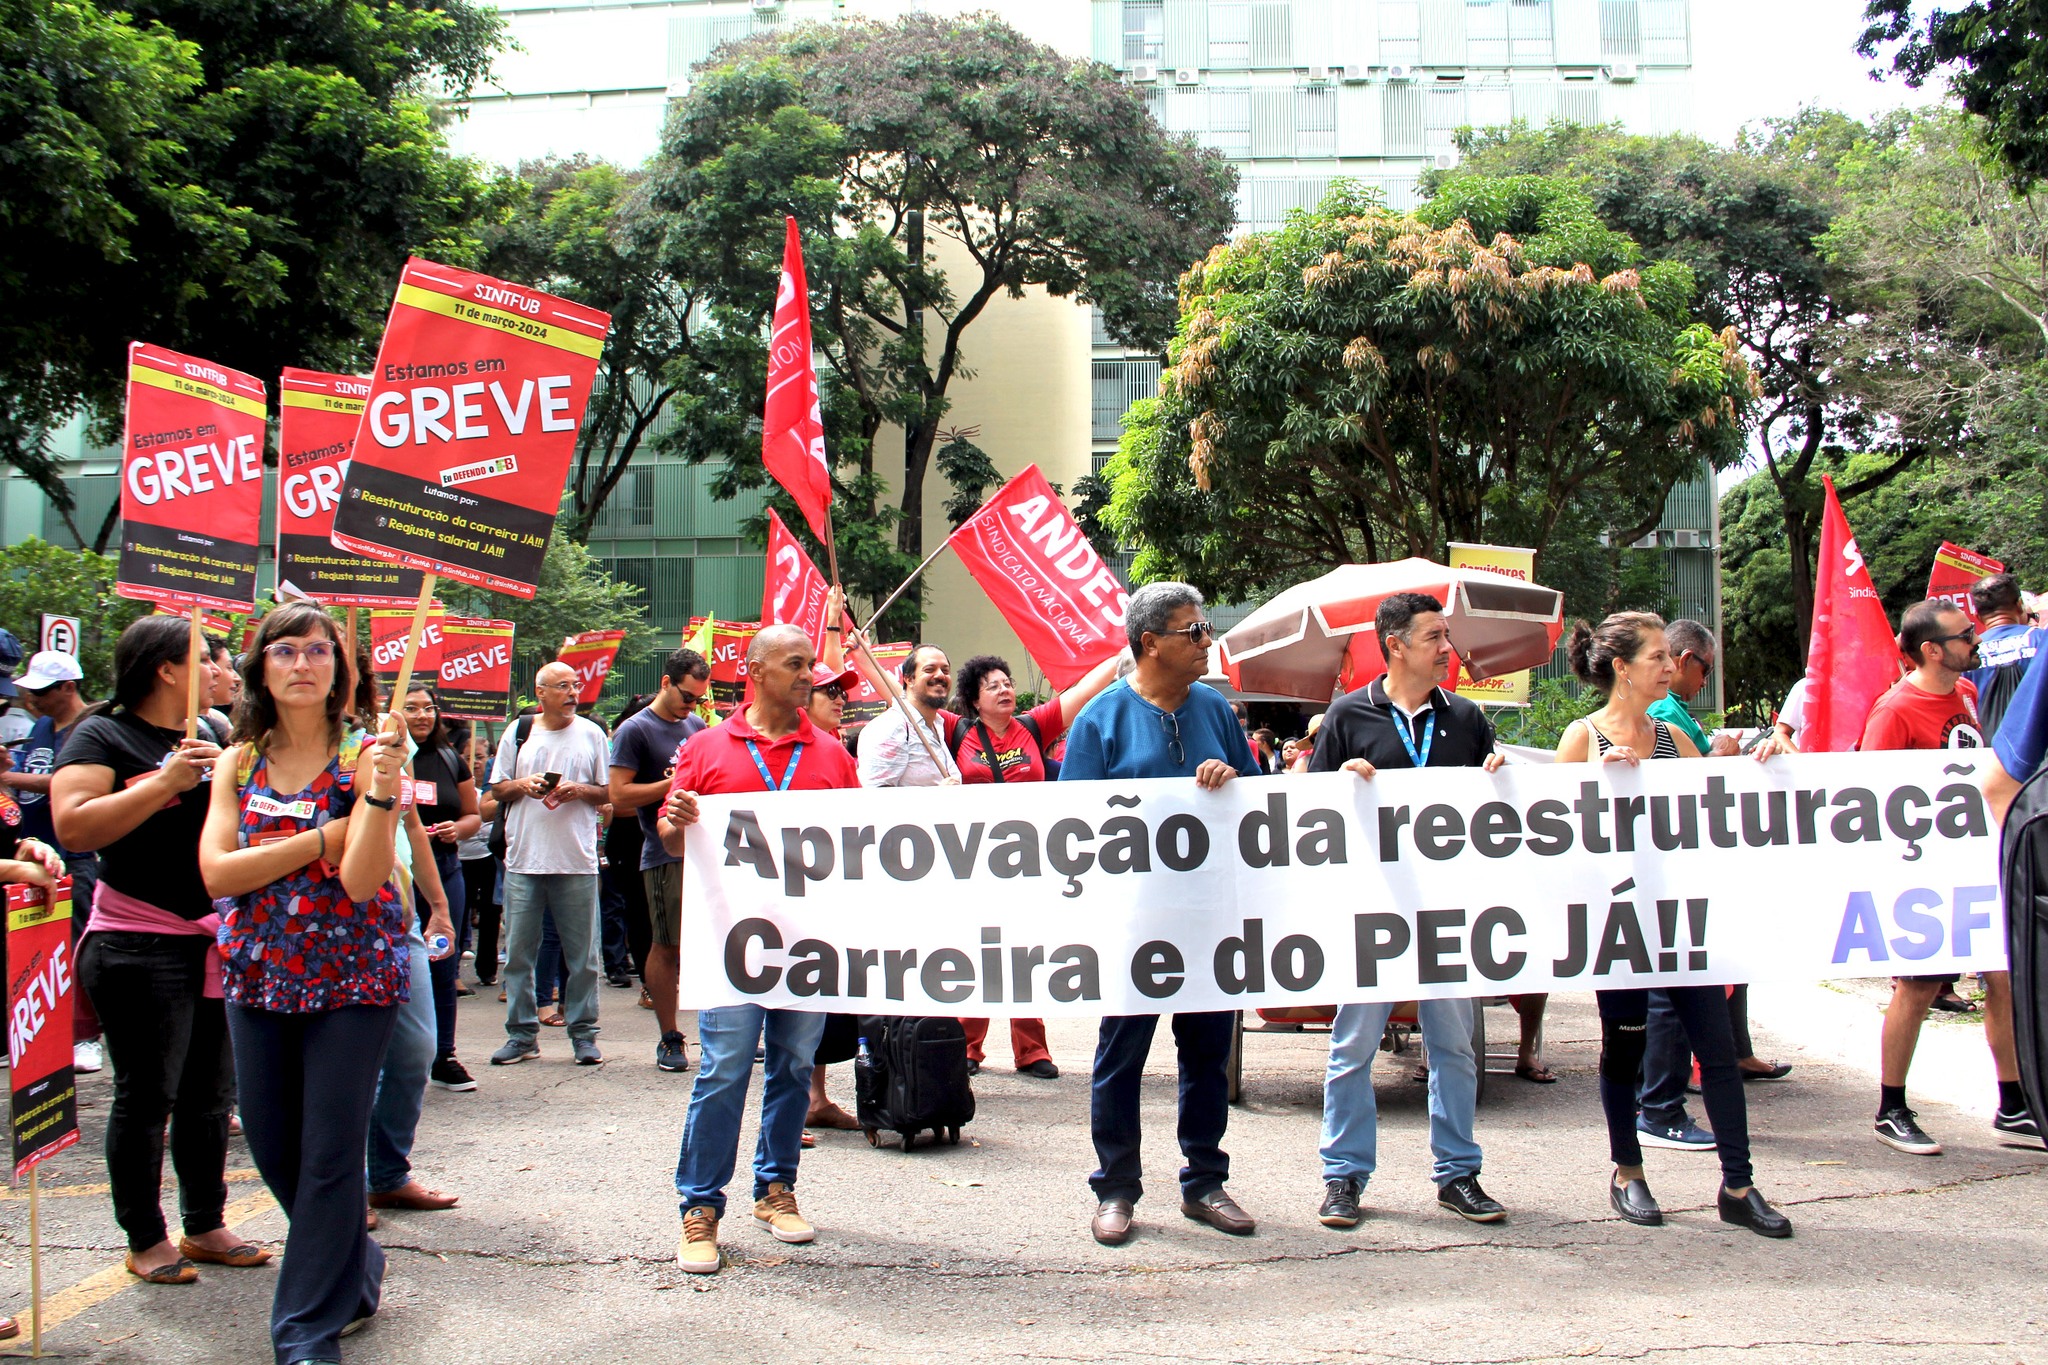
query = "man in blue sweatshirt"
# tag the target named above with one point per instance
(1162, 721)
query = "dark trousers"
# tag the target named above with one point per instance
(1203, 1043)
(611, 923)
(1667, 1056)
(307, 1084)
(448, 968)
(1702, 1015)
(480, 881)
(169, 1048)
(550, 975)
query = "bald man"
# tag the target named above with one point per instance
(552, 776)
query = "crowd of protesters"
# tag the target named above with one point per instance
(280, 952)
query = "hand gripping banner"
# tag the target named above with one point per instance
(191, 482)
(317, 418)
(470, 424)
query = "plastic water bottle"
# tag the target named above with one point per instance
(862, 1057)
(438, 945)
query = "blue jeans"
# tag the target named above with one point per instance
(1351, 1110)
(1203, 1043)
(1667, 1065)
(550, 979)
(572, 899)
(402, 1084)
(711, 1134)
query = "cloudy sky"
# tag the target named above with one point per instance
(1763, 58)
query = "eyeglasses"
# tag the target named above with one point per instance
(1967, 636)
(418, 709)
(833, 691)
(1706, 665)
(555, 687)
(1196, 632)
(285, 654)
(1173, 744)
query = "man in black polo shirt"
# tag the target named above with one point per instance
(1404, 720)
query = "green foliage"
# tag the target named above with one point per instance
(1996, 55)
(1554, 703)
(38, 577)
(933, 164)
(1363, 385)
(242, 182)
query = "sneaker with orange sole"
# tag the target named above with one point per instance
(775, 1213)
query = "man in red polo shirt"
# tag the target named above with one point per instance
(770, 745)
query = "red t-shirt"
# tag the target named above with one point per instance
(1909, 717)
(1022, 758)
(716, 762)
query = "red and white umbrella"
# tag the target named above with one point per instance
(1308, 638)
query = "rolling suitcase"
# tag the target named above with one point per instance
(910, 1076)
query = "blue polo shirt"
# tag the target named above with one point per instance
(1121, 735)
(2022, 735)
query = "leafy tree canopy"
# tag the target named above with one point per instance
(1996, 55)
(38, 577)
(1363, 385)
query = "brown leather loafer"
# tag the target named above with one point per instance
(413, 1195)
(1220, 1212)
(1112, 1222)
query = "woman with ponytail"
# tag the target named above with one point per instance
(1626, 660)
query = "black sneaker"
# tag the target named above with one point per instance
(450, 1074)
(1340, 1203)
(672, 1053)
(1896, 1128)
(1043, 1068)
(618, 980)
(2019, 1123)
(1462, 1196)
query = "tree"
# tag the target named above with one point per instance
(933, 165)
(1367, 385)
(241, 182)
(1996, 55)
(38, 577)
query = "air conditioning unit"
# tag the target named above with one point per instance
(1353, 75)
(1648, 542)
(1621, 71)
(678, 90)
(1187, 75)
(1142, 73)
(1400, 71)
(768, 6)
(1319, 75)
(1688, 540)
(1445, 161)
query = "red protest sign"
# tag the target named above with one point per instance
(388, 630)
(1956, 571)
(208, 622)
(1044, 577)
(39, 988)
(792, 591)
(863, 701)
(476, 668)
(317, 417)
(728, 660)
(191, 482)
(591, 655)
(471, 420)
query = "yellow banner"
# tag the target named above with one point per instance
(42, 912)
(193, 388)
(1509, 689)
(323, 402)
(483, 315)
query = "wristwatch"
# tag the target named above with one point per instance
(384, 803)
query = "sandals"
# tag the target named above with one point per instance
(832, 1116)
(180, 1271)
(1537, 1072)
(553, 1019)
(1955, 1004)
(240, 1257)
(810, 1139)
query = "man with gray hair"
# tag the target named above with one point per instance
(551, 774)
(1161, 721)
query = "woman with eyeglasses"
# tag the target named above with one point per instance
(444, 794)
(127, 786)
(301, 833)
(994, 744)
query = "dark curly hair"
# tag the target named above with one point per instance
(967, 682)
(1593, 650)
(256, 715)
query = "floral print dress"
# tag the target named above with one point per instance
(300, 945)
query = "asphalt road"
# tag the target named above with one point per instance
(561, 1251)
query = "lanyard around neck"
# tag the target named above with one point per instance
(767, 782)
(1401, 727)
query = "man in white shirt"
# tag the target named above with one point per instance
(1792, 715)
(551, 785)
(891, 755)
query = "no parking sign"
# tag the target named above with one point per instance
(61, 633)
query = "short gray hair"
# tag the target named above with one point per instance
(1150, 606)
(1689, 637)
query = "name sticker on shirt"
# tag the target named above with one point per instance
(423, 794)
(281, 810)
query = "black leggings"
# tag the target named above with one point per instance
(1703, 1013)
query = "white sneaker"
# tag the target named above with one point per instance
(88, 1056)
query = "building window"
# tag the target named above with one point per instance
(1621, 31)
(1486, 32)
(1579, 102)
(1230, 35)
(1315, 121)
(1144, 31)
(1400, 31)
(1230, 120)
(1401, 117)
(1116, 385)
(1665, 37)
(1445, 112)
(1530, 37)
(630, 508)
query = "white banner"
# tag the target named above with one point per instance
(1091, 898)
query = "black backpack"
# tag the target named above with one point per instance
(961, 725)
(495, 841)
(2023, 867)
(910, 1075)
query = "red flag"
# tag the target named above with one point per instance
(793, 592)
(1854, 656)
(1032, 560)
(591, 655)
(1956, 570)
(792, 426)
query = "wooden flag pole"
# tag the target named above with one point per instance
(896, 696)
(890, 600)
(412, 647)
(196, 658)
(35, 1265)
